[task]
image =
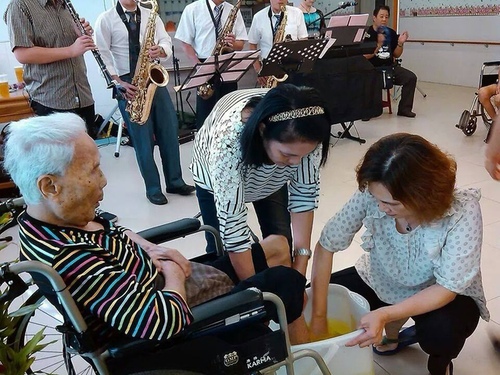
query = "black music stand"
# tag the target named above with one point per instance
(229, 67)
(295, 56)
(346, 36)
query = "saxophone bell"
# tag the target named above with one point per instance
(158, 75)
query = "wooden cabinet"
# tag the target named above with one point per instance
(15, 107)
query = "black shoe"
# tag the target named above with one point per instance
(157, 198)
(366, 119)
(407, 114)
(181, 190)
(106, 215)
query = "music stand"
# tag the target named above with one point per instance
(294, 56)
(229, 67)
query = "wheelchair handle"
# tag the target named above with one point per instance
(10, 204)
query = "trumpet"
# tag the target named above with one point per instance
(111, 83)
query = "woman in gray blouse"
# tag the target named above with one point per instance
(422, 241)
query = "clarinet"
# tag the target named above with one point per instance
(119, 89)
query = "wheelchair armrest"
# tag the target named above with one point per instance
(491, 63)
(216, 314)
(170, 231)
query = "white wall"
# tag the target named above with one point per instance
(443, 63)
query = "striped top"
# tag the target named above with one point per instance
(217, 167)
(110, 278)
(61, 84)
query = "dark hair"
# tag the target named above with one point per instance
(284, 98)
(252, 103)
(416, 173)
(378, 8)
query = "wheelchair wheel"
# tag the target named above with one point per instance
(471, 127)
(50, 360)
(464, 120)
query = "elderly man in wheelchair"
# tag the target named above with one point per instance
(131, 292)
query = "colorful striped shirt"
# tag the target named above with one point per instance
(110, 277)
(217, 167)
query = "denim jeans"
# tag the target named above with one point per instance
(272, 213)
(163, 127)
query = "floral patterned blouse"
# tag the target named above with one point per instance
(397, 266)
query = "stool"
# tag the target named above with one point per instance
(387, 103)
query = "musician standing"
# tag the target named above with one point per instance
(43, 38)
(202, 23)
(117, 37)
(388, 48)
(266, 22)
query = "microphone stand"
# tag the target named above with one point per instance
(327, 14)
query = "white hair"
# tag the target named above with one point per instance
(40, 145)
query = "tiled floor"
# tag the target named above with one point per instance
(437, 115)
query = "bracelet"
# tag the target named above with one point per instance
(302, 251)
(400, 45)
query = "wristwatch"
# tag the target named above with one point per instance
(302, 251)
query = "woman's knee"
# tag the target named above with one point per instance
(277, 250)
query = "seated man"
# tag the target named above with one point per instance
(390, 46)
(111, 272)
(489, 95)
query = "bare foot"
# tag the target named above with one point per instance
(298, 332)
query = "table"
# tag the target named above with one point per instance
(15, 107)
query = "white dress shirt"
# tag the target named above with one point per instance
(196, 27)
(111, 38)
(261, 31)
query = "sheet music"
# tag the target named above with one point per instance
(330, 43)
(243, 59)
(358, 19)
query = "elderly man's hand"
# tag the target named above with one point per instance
(160, 253)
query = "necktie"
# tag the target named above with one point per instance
(134, 46)
(277, 22)
(217, 17)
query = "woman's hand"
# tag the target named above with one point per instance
(373, 323)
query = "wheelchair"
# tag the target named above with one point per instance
(70, 345)
(468, 119)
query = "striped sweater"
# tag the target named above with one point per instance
(110, 278)
(217, 167)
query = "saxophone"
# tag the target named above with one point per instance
(149, 74)
(279, 37)
(206, 90)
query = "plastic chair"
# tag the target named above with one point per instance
(387, 102)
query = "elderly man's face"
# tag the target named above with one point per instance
(81, 187)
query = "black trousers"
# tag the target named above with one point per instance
(205, 106)
(441, 333)
(86, 113)
(272, 213)
(408, 80)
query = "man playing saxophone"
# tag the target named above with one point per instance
(201, 27)
(119, 33)
(269, 22)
